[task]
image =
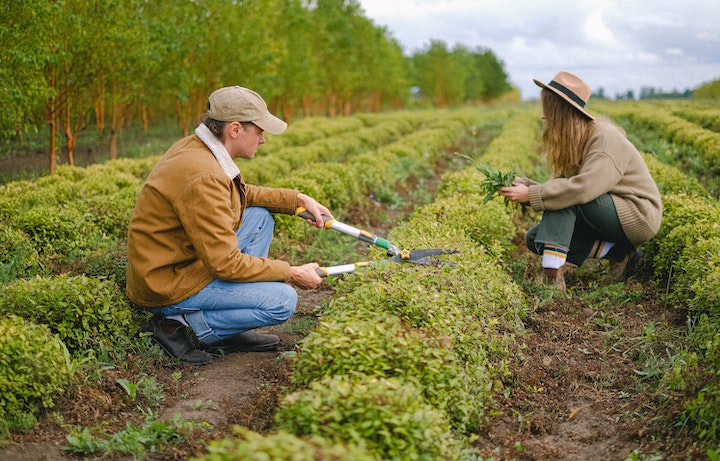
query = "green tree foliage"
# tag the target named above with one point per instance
(22, 59)
(441, 74)
(709, 90)
(70, 64)
(450, 77)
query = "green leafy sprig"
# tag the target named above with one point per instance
(494, 180)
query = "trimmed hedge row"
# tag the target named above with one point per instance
(35, 368)
(684, 258)
(344, 185)
(675, 129)
(359, 133)
(75, 221)
(439, 334)
(706, 118)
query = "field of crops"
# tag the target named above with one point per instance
(404, 362)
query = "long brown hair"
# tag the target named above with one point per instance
(566, 132)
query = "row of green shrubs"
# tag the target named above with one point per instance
(63, 252)
(684, 259)
(354, 361)
(708, 118)
(657, 118)
(407, 360)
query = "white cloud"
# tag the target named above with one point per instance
(596, 30)
(614, 44)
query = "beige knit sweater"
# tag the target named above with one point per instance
(610, 164)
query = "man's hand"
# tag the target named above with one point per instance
(305, 276)
(314, 208)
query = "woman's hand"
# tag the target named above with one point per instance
(518, 192)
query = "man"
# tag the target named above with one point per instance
(199, 236)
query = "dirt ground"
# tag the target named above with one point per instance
(235, 389)
(574, 396)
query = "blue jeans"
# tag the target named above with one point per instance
(223, 309)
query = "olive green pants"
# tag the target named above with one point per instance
(578, 228)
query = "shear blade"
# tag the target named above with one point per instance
(418, 256)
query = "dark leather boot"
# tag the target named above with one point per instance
(172, 337)
(622, 259)
(247, 341)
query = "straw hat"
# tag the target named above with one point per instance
(571, 88)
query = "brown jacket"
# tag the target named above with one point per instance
(610, 164)
(182, 231)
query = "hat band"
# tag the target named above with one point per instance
(567, 92)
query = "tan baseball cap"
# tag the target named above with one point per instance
(239, 104)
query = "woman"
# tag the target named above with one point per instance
(601, 202)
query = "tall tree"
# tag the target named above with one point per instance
(486, 78)
(131, 59)
(179, 32)
(336, 49)
(296, 75)
(76, 65)
(441, 74)
(23, 87)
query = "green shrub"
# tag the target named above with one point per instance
(485, 223)
(670, 180)
(387, 416)
(18, 195)
(281, 446)
(380, 346)
(83, 311)
(56, 229)
(703, 411)
(35, 368)
(108, 262)
(110, 212)
(678, 210)
(465, 181)
(17, 254)
(697, 271)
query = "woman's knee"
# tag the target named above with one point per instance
(530, 239)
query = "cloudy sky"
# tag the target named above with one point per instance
(617, 45)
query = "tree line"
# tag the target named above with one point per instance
(70, 65)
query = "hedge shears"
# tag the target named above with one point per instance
(422, 257)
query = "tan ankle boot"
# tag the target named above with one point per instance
(556, 278)
(622, 259)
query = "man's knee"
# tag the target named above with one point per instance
(287, 299)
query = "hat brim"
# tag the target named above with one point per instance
(271, 124)
(565, 97)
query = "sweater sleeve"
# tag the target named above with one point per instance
(207, 214)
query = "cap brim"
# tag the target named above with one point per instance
(271, 124)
